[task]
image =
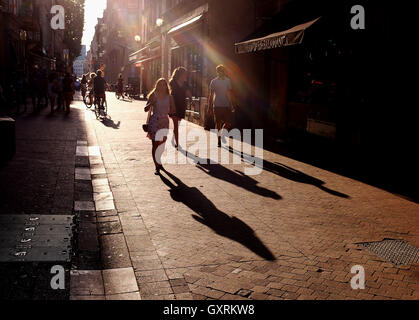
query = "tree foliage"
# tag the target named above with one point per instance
(74, 25)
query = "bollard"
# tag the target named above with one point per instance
(7, 138)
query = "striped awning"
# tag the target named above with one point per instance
(285, 38)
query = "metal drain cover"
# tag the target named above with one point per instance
(40, 238)
(398, 252)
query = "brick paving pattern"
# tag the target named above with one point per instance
(210, 232)
(202, 231)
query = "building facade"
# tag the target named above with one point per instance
(27, 39)
(79, 63)
(297, 66)
(117, 34)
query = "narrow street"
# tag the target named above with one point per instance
(197, 231)
(211, 232)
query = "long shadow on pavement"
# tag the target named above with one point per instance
(108, 122)
(237, 178)
(208, 214)
(290, 174)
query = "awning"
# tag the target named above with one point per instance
(137, 54)
(138, 63)
(185, 24)
(285, 38)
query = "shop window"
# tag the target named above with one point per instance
(190, 57)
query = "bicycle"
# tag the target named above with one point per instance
(119, 95)
(101, 106)
(88, 101)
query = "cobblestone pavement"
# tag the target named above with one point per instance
(210, 232)
(39, 180)
(202, 231)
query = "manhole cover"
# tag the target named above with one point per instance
(399, 252)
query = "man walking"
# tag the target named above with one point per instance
(221, 101)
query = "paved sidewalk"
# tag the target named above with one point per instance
(198, 231)
(210, 232)
(39, 180)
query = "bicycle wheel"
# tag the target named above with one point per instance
(88, 101)
(97, 107)
(105, 108)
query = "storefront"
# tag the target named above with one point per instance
(312, 77)
(147, 65)
(185, 48)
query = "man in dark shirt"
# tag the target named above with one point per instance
(99, 84)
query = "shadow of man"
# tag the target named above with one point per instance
(236, 177)
(209, 215)
(108, 122)
(292, 174)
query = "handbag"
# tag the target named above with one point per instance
(145, 126)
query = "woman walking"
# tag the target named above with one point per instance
(179, 91)
(160, 104)
(221, 101)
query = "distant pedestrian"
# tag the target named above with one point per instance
(60, 94)
(180, 92)
(221, 101)
(90, 86)
(53, 90)
(83, 86)
(35, 85)
(21, 90)
(120, 86)
(68, 91)
(160, 104)
(43, 89)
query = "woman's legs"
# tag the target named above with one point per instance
(157, 157)
(154, 150)
(176, 122)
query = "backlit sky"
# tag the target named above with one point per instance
(93, 10)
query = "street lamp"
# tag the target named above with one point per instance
(159, 22)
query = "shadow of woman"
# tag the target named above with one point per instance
(209, 215)
(292, 174)
(237, 178)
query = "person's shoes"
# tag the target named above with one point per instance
(157, 172)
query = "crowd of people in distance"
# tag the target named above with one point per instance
(39, 89)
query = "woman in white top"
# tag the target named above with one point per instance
(220, 101)
(161, 104)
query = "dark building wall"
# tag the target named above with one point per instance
(229, 22)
